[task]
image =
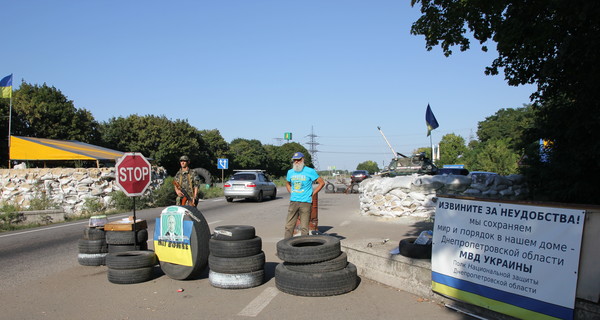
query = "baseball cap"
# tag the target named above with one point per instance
(297, 155)
(184, 158)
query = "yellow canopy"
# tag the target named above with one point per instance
(26, 148)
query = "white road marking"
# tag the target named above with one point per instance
(53, 227)
(259, 303)
(344, 223)
(215, 222)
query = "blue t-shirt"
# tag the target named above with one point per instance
(302, 184)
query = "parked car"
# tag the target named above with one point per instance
(249, 184)
(359, 175)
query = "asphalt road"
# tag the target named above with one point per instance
(40, 277)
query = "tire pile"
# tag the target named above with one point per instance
(128, 259)
(120, 241)
(236, 259)
(130, 267)
(92, 247)
(125, 253)
(314, 266)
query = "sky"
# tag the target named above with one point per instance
(256, 69)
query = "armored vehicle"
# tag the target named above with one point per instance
(402, 165)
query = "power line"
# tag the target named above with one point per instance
(312, 147)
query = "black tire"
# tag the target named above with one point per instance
(204, 175)
(130, 276)
(199, 246)
(316, 284)
(91, 259)
(235, 249)
(92, 246)
(260, 197)
(131, 260)
(229, 199)
(408, 248)
(234, 233)
(115, 248)
(335, 264)
(126, 237)
(308, 249)
(274, 195)
(237, 265)
(93, 234)
(236, 280)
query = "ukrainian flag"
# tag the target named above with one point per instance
(430, 120)
(6, 87)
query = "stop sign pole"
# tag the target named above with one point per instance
(133, 176)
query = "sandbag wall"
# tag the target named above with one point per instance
(68, 188)
(413, 196)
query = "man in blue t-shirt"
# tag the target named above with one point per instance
(300, 185)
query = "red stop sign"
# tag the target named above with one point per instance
(133, 173)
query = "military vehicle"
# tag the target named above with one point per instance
(401, 165)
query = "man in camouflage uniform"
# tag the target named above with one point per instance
(188, 181)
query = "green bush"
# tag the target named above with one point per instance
(42, 202)
(123, 202)
(9, 214)
(212, 192)
(92, 206)
(165, 195)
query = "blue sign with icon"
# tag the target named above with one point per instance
(222, 163)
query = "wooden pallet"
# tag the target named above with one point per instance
(125, 225)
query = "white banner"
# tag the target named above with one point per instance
(498, 254)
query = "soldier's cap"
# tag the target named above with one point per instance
(297, 155)
(184, 158)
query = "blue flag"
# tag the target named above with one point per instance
(6, 87)
(430, 120)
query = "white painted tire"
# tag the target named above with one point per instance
(91, 259)
(236, 280)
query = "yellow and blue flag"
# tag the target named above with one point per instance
(430, 120)
(6, 87)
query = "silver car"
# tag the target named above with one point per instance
(249, 184)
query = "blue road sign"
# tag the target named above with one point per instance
(222, 163)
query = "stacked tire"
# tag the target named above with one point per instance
(92, 247)
(314, 266)
(236, 259)
(121, 241)
(130, 267)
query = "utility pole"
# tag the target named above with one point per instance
(312, 147)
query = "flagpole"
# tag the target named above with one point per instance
(9, 123)
(431, 143)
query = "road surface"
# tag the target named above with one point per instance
(40, 277)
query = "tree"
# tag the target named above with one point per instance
(452, 149)
(158, 138)
(279, 158)
(552, 44)
(216, 147)
(44, 112)
(495, 156)
(4, 111)
(368, 165)
(511, 124)
(248, 154)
